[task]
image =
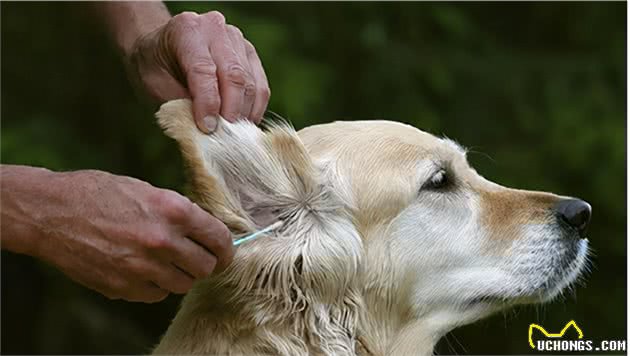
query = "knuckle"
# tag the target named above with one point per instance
(162, 197)
(137, 267)
(250, 89)
(214, 102)
(175, 207)
(126, 263)
(235, 30)
(215, 17)
(159, 242)
(236, 75)
(264, 92)
(186, 16)
(185, 20)
(204, 67)
(249, 47)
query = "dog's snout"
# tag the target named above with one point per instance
(575, 212)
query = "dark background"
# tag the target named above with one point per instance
(538, 88)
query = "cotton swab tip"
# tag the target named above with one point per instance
(259, 233)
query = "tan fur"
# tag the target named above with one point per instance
(294, 293)
(177, 122)
(313, 287)
(507, 209)
(383, 186)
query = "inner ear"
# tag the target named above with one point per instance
(262, 214)
(306, 278)
(240, 174)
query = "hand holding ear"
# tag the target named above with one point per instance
(207, 60)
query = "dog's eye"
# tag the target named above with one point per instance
(438, 181)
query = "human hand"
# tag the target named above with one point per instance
(118, 235)
(202, 57)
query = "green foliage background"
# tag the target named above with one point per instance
(539, 88)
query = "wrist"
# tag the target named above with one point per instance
(127, 22)
(24, 190)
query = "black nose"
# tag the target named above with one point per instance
(575, 212)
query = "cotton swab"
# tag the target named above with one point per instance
(257, 234)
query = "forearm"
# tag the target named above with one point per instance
(127, 21)
(23, 189)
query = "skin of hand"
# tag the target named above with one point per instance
(117, 235)
(201, 57)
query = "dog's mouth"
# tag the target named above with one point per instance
(566, 269)
(543, 282)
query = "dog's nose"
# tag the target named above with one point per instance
(575, 212)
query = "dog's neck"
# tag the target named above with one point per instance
(391, 331)
(235, 314)
(386, 333)
(210, 323)
(389, 325)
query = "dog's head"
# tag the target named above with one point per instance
(377, 215)
(456, 243)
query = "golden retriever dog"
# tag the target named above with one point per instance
(389, 240)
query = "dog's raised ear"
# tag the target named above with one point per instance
(307, 274)
(240, 174)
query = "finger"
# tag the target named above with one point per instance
(204, 89)
(193, 258)
(148, 292)
(262, 86)
(170, 278)
(212, 234)
(238, 43)
(231, 72)
(109, 286)
(118, 286)
(163, 87)
(199, 70)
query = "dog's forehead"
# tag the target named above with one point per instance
(377, 139)
(378, 165)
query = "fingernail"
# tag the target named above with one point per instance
(210, 123)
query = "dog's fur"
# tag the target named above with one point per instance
(375, 257)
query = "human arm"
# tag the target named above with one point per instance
(117, 235)
(189, 55)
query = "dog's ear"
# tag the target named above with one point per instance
(240, 174)
(307, 275)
